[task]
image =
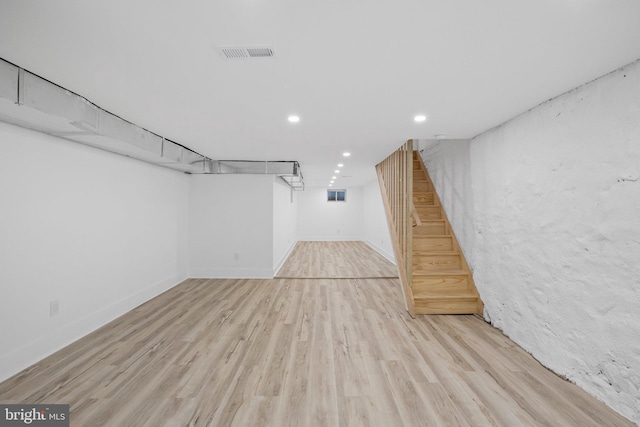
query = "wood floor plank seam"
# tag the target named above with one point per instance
(300, 352)
(341, 259)
(339, 278)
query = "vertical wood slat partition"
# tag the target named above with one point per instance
(395, 175)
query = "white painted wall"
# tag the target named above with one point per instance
(554, 206)
(98, 232)
(231, 215)
(375, 228)
(285, 222)
(319, 219)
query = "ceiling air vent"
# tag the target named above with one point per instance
(230, 52)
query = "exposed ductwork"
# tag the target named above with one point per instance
(289, 171)
(32, 102)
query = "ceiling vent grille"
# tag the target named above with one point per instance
(230, 52)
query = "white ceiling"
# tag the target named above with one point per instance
(355, 71)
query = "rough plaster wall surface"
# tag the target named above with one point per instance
(556, 242)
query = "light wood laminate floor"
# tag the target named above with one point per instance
(344, 260)
(300, 352)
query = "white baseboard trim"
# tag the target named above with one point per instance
(61, 336)
(387, 255)
(228, 273)
(329, 238)
(279, 265)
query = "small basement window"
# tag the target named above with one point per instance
(336, 195)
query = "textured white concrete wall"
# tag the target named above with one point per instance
(555, 248)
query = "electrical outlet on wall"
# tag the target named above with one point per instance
(54, 308)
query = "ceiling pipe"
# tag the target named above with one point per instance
(32, 102)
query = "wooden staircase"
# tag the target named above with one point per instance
(441, 280)
(435, 276)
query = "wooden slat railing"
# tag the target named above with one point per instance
(395, 175)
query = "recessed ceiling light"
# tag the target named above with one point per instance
(330, 185)
(293, 119)
(420, 118)
(337, 171)
(346, 154)
(333, 177)
(340, 165)
(331, 182)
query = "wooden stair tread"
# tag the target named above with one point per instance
(440, 273)
(437, 272)
(435, 253)
(465, 303)
(448, 295)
